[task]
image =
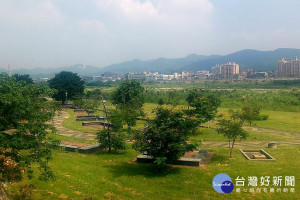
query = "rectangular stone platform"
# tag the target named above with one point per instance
(196, 161)
(88, 149)
(96, 123)
(257, 155)
(89, 118)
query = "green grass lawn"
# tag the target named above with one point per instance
(74, 125)
(278, 120)
(115, 176)
(284, 121)
(208, 135)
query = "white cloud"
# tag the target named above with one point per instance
(164, 13)
(30, 12)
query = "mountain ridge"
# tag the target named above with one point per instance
(246, 58)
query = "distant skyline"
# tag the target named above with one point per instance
(56, 33)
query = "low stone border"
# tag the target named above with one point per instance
(268, 156)
(96, 123)
(195, 162)
(79, 110)
(88, 149)
(89, 118)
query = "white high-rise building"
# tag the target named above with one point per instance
(289, 68)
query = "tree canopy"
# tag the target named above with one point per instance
(24, 113)
(203, 105)
(129, 94)
(68, 85)
(23, 77)
(129, 98)
(165, 138)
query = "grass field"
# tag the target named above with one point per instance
(115, 176)
(208, 135)
(278, 120)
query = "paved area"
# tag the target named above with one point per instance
(57, 121)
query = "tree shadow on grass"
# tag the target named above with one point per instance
(113, 152)
(138, 169)
(217, 158)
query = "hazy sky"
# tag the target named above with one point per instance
(56, 33)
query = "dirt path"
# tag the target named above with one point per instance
(249, 144)
(57, 122)
(284, 133)
(59, 118)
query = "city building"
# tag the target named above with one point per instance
(226, 71)
(203, 74)
(136, 76)
(289, 68)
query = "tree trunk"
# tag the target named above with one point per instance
(3, 195)
(109, 140)
(232, 148)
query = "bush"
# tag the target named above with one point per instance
(263, 117)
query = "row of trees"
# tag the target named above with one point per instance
(165, 137)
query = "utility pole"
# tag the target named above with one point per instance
(106, 116)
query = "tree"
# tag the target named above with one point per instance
(111, 137)
(68, 85)
(165, 138)
(250, 112)
(202, 105)
(24, 113)
(172, 98)
(25, 77)
(160, 102)
(232, 130)
(129, 98)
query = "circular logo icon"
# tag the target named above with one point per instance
(222, 183)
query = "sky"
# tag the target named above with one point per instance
(57, 33)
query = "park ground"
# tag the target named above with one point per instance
(118, 176)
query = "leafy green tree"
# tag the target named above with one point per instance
(90, 105)
(160, 102)
(112, 137)
(129, 98)
(24, 115)
(25, 77)
(165, 138)
(232, 130)
(93, 94)
(172, 98)
(68, 85)
(202, 105)
(250, 112)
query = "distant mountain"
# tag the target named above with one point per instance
(247, 59)
(82, 70)
(162, 65)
